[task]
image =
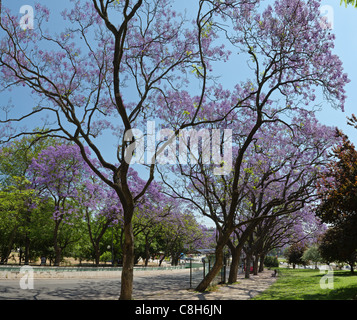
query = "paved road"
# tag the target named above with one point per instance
(146, 285)
(153, 285)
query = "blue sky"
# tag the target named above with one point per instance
(344, 26)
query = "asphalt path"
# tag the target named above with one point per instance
(146, 285)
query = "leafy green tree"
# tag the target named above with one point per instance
(312, 254)
(15, 159)
(271, 262)
(14, 216)
(82, 249)
(338, 186)
(339, 243)
(180, 234)
(57, 173)
(338, 207)
(295, 253)
(40, 231)
(349, 2)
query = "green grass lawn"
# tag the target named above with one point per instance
(304, 284)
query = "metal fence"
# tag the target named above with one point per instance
(199, 270)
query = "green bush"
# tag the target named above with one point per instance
(271, 262)
(106, 256)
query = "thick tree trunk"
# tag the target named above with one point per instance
(233, 271)
(236, 252)
(212, 273)
(216, 267)
(127, 275)
(57, 256)
(97, 254)
(175, 260)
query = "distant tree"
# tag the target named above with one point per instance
(312, 254)
(14, 213)
(339, 244)
(15, 159)
(180, 234)
(271, 262)
(56, 173)
(295, 253)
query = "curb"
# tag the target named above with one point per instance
(11, 273)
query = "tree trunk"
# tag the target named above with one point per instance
(175, 259)
(161, 259)
(127, 275)
(97, 254)
(233, 271)
(27, 249)
(247, 266)
(147, 251)
(211, 274)
(57, 256)
(27, 238)
(352, 267)
(236, 252)
(255, 265)
(216, 267)
(6, 254)
(55, 245)
(261, 265)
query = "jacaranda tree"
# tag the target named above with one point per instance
(57, 174)
(117, 64)
(293, 67)
(101, 75)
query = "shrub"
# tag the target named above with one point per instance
(271, 262)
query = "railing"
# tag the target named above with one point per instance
(199, 270)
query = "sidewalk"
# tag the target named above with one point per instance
(148, 285)
(245, 289)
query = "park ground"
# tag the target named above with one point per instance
(305, 284)
(291, 284)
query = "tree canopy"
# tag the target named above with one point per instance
(113, 68)
(349, 2)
